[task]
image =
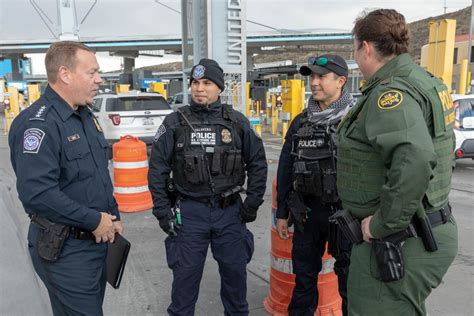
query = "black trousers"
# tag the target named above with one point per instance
(232, 246)
(308, 249)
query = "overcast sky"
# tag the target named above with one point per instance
(134, 18)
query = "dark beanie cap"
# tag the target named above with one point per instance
(208, 69)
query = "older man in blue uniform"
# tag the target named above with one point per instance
(58, 152)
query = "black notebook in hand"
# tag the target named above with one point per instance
(116, 259)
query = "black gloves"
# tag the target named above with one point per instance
(168, 224)
(247, 213)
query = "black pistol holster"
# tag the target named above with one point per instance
(388, 254)
(424, 228)
(229, 197)
(298, 211)
(51, 238)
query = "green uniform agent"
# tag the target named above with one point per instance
(395, 157)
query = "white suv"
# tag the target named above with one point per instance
(132, 113)
(464, 125)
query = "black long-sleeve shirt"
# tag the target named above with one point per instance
(253, 154)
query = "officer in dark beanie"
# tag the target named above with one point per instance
(197, 169)
(209, 69)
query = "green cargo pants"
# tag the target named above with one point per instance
(423, 272)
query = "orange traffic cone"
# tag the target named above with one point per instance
(282, 279)
(130, 175)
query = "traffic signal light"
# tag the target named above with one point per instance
(6, 102)
(278, 100)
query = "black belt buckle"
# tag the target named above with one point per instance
(77, 233)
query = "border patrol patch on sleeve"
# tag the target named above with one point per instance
(390, 99)
(161, 130)
(32, 139)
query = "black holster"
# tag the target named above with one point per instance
(51, 238)
(229, 197)
(388, 254)
(425, 231)
(389, 260)
(298, 211)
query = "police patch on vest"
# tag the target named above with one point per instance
(32, 139)
(226, 136)
(204, 135)
(161, 130)
(390, 100)
(311, 143)
(199, 71)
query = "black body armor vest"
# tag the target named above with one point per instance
(314, 167)
(221, 159)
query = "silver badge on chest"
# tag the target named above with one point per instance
(226, 136)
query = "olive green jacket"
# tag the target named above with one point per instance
(396, 147)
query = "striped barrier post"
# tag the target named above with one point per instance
(282, 279)
(130, 163)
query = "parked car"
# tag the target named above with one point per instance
(176, 101)
(464, 125)
(133, 113)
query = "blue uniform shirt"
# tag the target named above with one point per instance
(60, 159)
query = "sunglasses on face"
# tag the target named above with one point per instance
(323, 61)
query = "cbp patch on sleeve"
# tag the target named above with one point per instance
(390, 99)
(32, 139)
(161, 130)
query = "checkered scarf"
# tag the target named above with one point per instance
(334, 113)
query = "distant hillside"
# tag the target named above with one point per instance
(418, 33)
(419, 29)
(175, 66)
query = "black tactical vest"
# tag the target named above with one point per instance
(314, 167)
(221, 138)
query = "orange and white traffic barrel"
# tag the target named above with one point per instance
(329, 302)
(282, 279)
(130, 163)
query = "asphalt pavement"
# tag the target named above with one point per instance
(146, 283)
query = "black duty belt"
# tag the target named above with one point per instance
(222, 201)
(78, 233)
(74, 232)
(440, 217)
